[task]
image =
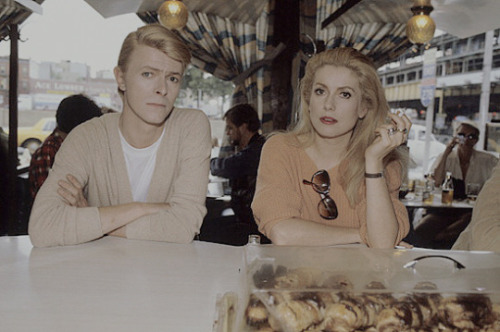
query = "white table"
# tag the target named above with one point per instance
(114, 284)
(436, 204)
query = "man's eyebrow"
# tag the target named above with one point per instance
(148, 67)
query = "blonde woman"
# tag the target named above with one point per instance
(335, 178)
(141, 173)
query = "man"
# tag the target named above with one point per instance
(242, 126)
(141, 173)
(467, 165)
(71, 112)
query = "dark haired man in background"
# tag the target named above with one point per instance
(71, 112)
(242, 128)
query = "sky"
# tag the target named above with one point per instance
(72, 30)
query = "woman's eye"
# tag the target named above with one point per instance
(319, 91)
(174, 79)
(345, 94)
(147, 74)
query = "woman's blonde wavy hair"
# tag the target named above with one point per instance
(373, 99)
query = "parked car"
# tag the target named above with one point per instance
(416, 143)
(32, 137)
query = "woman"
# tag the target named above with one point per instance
(141, 173)
(335, 178)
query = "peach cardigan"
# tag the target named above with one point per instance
(280, 193)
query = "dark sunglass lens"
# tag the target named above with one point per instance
(461, 134)
(321, 181)
(472, 136)
(328, 208)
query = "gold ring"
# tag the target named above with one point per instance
(403, 131)
(391, 131)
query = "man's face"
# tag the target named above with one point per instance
(150, 84)
(233, 132)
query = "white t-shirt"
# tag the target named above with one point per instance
(140, 167)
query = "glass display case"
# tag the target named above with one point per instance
(291, 289)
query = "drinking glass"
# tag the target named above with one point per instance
(472, 190)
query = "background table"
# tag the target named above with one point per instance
(114, 284)
(413, 204)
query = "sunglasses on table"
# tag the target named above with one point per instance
(320, 182)
(469, 137)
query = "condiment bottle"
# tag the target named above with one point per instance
(447, 190)
(428, 192)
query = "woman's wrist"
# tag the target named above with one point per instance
(374, 166)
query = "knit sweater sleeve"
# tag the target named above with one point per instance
(52, 221)
(393, 180)
(483, 231)
(276, 195)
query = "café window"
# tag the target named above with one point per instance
(496, 61)
(457, 67)
(475, 64)
(412, 76)
(390, 80)
(439, 70)
(400, 78)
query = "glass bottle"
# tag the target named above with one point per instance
(428, 192)
(447, 190)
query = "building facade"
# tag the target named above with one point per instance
(42, 86)
(459, 75)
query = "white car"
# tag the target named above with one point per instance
(416, 143)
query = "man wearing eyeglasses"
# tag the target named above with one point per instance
(467, 165)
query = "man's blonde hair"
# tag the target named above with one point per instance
(158, 37)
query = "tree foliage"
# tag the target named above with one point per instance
(195, 79)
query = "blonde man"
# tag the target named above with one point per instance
(141, 173)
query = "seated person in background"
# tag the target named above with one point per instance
(440, 229)
(71, 112)
(483, 231)
(335, 178)
(242, 127)
(141, 173)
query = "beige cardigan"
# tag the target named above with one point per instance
(483, 231)
(92, 152)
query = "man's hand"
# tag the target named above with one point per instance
(72, 192)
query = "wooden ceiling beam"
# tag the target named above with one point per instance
(339, 12)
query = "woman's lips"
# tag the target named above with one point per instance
(327, 120)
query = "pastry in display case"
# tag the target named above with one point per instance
(292, 289)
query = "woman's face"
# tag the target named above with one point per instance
(335, 104)
(469, 136)
(151, 84)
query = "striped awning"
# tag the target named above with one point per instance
(244, 11)
(377, 28)
(12, 12)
